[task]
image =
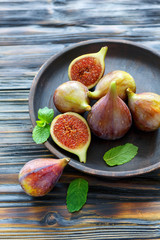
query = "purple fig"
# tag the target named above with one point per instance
(70, 131)
(39, 176)
(110, 117)
(71, 96)
(145, 109)
(88, 68)
(123, 81)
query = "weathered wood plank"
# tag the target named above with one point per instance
(30, 32)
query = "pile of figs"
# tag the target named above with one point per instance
(111, 116)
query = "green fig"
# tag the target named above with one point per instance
(123, 81)
(70, 131)
(110, 117)
(145, 109)
(71, 96)
(88, 68)
(39, 176)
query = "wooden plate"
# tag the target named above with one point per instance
(143, 64)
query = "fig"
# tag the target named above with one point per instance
(110, 117)
(37, 177)
(145, 109)
(70, 131)
(123, 81)
(71, 96)
(88, 68)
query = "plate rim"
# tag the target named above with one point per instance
(75, 164)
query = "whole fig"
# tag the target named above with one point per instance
(145, 109)
(88, 68)
(39, 176)
(110, 117)
(123, 81)
(71, 96)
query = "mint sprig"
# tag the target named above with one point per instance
(45, 114)
(120, 155)
(41, 131)
(77, 194)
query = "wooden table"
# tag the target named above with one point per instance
(30, 32)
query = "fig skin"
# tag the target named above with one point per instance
(123, 81)
(71, 96)
(38, 177)
(69, 132)
(110, 117)
(86, 70)
(145, 109)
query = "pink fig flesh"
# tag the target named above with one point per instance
(88, 68)
(145, 109)
(110, 118)
(39, 176)
(71, 132)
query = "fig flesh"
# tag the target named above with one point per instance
(110, 117)
(123, 81)
(70, 131)
(145, 109)
(71, 96)
(88, 68)
(39, 176)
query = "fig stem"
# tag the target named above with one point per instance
(102, 53)
(87, 107)
(65, 161)
(82, 156)
(113, 88)
(93, 95)
(130, 92)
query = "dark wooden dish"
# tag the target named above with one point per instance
(143, 64)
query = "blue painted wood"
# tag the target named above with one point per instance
(30, 32)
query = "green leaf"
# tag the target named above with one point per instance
(41, 134)
(41, 123)
(121, 154)
(45, 114)
(77, 194)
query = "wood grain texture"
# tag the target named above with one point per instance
(30, 32)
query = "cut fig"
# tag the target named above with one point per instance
(88, 68)
(71, 96)
(70, 131)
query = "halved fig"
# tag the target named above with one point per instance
(88, 68)
(70, 131)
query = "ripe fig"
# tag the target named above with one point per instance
(110, 117)
(71, 96)
(145, 109)
(70, 131)
(123, 81)
(88, 68)
(39, 176)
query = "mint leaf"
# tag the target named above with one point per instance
(41, 134)
(41, 123)
(41, 131)
(121, 154)
(45, 114)
(77, 194)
